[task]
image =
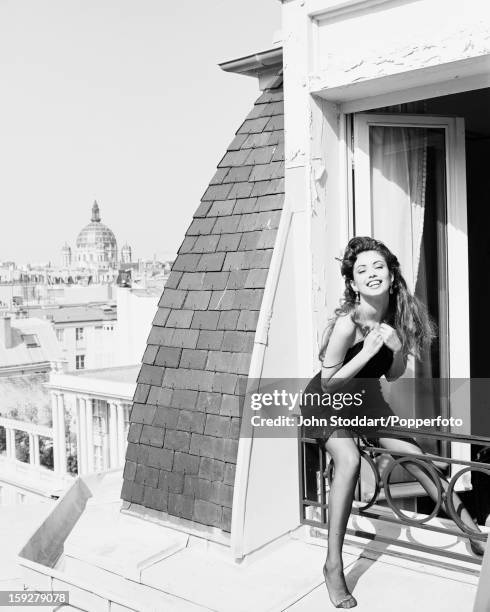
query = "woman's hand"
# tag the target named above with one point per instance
(390, 337)
(373, 342)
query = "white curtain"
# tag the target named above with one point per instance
(398, 186)
(398, 181)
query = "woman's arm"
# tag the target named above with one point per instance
(334, 374)
(391, 339)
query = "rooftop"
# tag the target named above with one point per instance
(29, 341)
(126, 374)
(77, 314)
(111, 556)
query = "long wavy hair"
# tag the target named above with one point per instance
(405, 313)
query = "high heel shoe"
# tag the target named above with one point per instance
(349, 601)
(477, 547)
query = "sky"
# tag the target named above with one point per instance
(121, 101)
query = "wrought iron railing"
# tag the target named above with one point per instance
(323, 468)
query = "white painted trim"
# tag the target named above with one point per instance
(422, 92)
(255, 372)
(328, 9)
(32, 428)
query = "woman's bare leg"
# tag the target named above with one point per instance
(346, 458)
(403, 446)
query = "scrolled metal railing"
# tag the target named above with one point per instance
(428, 462)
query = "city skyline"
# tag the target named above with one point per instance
(134, 118)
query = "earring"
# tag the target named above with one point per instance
(391, 289)
(358, 297)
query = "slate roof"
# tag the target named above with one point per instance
(183, 436)
(21, 354)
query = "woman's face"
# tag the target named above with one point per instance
(371, 274)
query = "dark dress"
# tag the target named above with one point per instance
(366, 382)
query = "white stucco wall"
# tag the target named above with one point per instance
(135, 313)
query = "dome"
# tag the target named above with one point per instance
(96, 242)
(96, 235)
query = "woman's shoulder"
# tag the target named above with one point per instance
(344, 325)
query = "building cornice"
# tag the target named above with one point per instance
(266, 66)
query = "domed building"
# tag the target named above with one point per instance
(126, 255)
(96, 246)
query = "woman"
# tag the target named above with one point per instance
(377, 326)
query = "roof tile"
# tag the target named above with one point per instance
(231, 405)
(237, 279)
(168, 356)
(224, 383)
(149, 355)
(160, 458)
(205, 320)
(216, 192)
(229, 477)
(248, 320)
(248, 299)
(160, 335)
(185, 262)
(261, 155)
(141, 393)
(187, 244)
(228, 319)
(180, 318)
(207, 513)
(193, 359)
(165, 416)
(238, 341)
(266, 187)
(241, 190)
(209, 402)
(254, 126)
(234, 261)
(274, 123)
(237, 142)
(270, 202)
(210, 262)
(245, 205)
(197, 300)
(230, 160)
(185, 338)
(152, 435)
(173, 280)
(215, 280)
(228, 242)
(161, 316)
(222, 300)
(177, 440)
(183, 462)
(191, 280)
(218, 177)
(172, 298)
(205, 244)
(226, 225)
(267, 172)
(279, 153)
(256, 279)
(257, 140)
(249, 240)
(151, 375)
(201, 226)
(202, 210)
(218, 426)
(210, 340)
(238, 174)
(222, 207)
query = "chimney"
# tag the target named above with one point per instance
(5, 332)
